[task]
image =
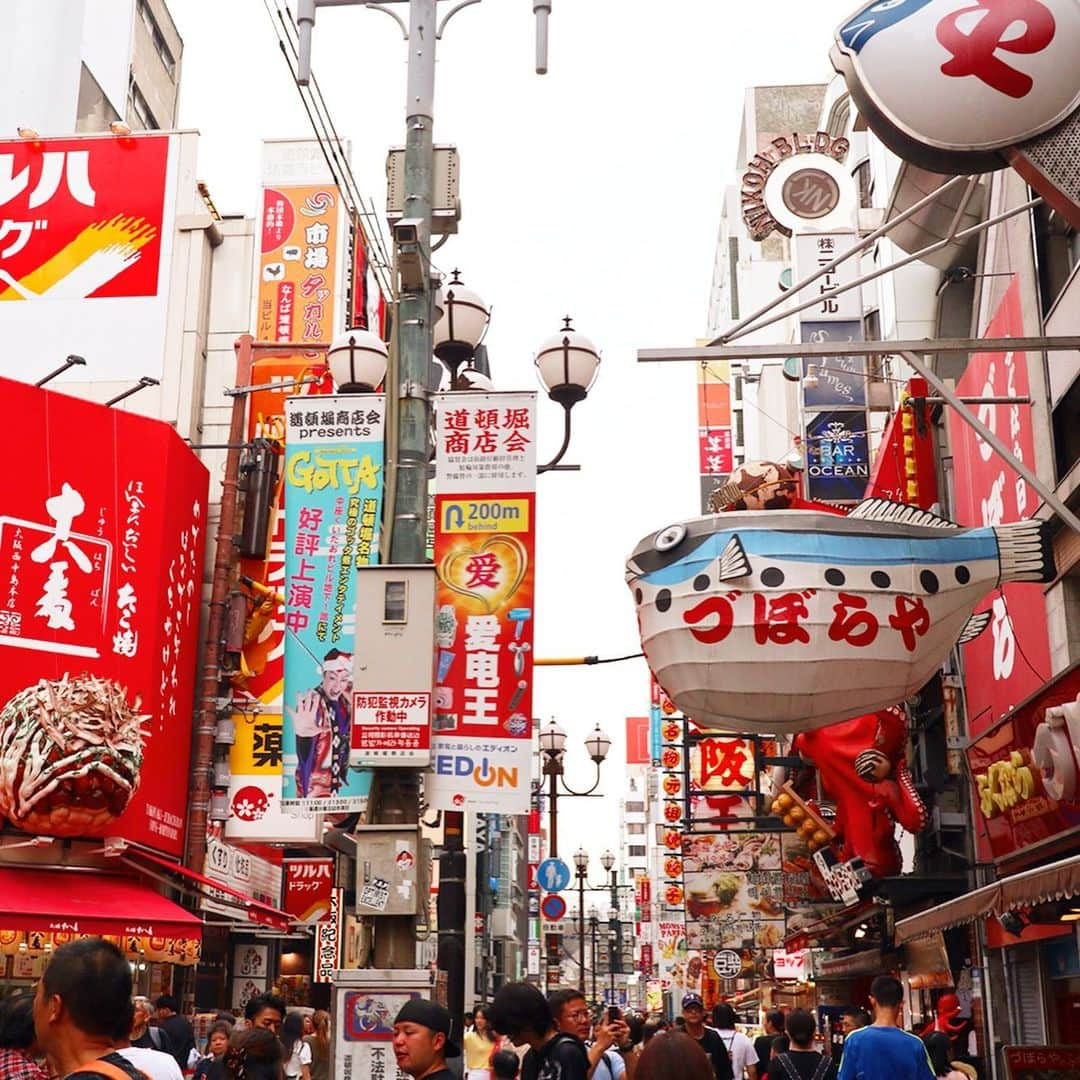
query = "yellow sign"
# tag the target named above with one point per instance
(485, 516)
(257, 749)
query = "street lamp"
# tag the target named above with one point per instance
(581, 865)
(357, 361)
(614, 957)
(566, 364)
(462, 326)
(553, 747)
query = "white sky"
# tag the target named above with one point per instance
(595, 191)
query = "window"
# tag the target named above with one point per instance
(139, 108)
(740, 435)
(157, 37)
(733, 274)
(635, 808)
(1067, 430)
(865, 181)
(1057, 251)
(395, 602)
(635, 828)
(637, 851)
(877, 365)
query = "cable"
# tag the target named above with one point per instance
(1016, 638)
(746, 401)
(363, 216)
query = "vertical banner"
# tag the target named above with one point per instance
(299, 264)
(333, 504)
(255, 760)
(1012, 658)
(835, 425)
(484, 553)
(716, 459)
(328, 939)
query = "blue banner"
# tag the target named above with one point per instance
(333, 504)
(837, 456)
(841, 380)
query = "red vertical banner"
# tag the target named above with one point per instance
(1011, 659)
(485, 542)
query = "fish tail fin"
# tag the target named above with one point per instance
(1025, 552)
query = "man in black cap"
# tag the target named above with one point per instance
(422, 1040)
(693, 1010)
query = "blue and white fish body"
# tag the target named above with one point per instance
(786, 620)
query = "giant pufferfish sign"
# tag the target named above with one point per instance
(788, 620)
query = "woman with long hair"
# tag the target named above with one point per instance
(319, 1043)
(480, 1046)
(253, 1054)
(297, 1053)
(939, 1049)
(674, 1054)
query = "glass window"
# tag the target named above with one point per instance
(395, 602)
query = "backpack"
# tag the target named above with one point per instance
(724, 1068)
(820, 1069)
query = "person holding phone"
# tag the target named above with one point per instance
(573, 1017)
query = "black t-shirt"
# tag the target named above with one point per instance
(763, 1049)
(805, 1064)
(154, 1038)
(717, 1049)
(87, 1071)
(181, 1035)
(562, 1057)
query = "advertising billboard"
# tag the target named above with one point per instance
(485, 556)
(298, 266)
(1025, 772)
(101, 545)
(256, 757)
(837, 455)
(715, 443)
(841, 380)
(1001, 666)
(333, 507)
(86, 231)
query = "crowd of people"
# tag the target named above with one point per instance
(83, 1023)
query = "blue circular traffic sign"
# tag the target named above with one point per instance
(553, 875)
(553, 907)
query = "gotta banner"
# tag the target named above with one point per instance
(333, 502)
(484, 553)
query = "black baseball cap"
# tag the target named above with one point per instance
(690, 1000)
(431, 1015)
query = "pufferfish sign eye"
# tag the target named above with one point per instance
(669, 538)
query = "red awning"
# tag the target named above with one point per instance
(84, 902)
(254, 909)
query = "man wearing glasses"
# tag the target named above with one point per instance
(573, 1017)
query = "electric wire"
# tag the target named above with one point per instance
(322, 125)
(328, 138)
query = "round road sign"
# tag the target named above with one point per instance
(553, 907)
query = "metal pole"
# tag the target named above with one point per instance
(225, 557)
(581, 929)
(867, 241)
(553, 806)
(414, 304)
(995, 443)
(592, 926)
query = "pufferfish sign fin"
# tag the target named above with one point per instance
(899, 513)
(974, 627)
(733, 560)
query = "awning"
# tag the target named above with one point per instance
(253, 909)
(1052, 882)
(83, 902)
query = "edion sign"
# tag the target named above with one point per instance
(101, 557)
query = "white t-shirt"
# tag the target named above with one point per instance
(741, 1049)
(301, 1056)
(155, 1063)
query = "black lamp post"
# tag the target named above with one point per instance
(581, 866)
(553, 747)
